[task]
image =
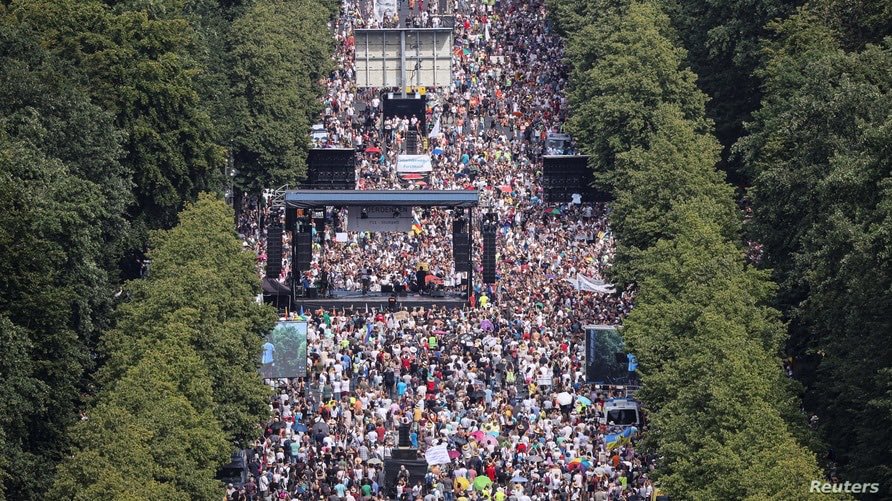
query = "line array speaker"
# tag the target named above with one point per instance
(489, 257)
(274, 249)
(461, 251)
(303, 252)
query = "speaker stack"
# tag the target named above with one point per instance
(303, 251)
(489, 250)
(331, 169)
(274, 249)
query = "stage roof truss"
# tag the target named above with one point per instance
(307, 199)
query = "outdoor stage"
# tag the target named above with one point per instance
(378, 300)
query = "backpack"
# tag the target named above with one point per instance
(509, 377)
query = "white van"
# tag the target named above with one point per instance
(622, 412)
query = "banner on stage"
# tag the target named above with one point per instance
(380, 219)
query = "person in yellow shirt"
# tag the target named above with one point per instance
(500, 495)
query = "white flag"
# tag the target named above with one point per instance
(437, 454)
(436, 130)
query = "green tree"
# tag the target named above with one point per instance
(635, 68)
(678, 166)
(708, 348)
(200, 269)
(62, 196)
(820, 149)
(152, 433)
(137, 66)
(280, 51)
(723, 39)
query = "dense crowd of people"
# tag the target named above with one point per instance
(500, 382)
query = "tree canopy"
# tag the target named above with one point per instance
(180, 383)
(819, 148)
(724, 418)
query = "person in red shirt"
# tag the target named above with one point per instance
(491, 470)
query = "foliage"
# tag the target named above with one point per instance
(280, 51)
(723, 39)
(619, 77)
(151, 434)
(138, 67)
(180, 382)
(723, 416)
(200, 270)
(62, 196)
(112, 117)
(677, 167)
(820, 149)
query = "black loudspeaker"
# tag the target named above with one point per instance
(562, 176)
(417, 469)
(274, 249)
(331, 168)
(413, 146)
(461, 251)
(303, 252)
(489, 257)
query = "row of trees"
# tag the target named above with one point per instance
(820, 149)
(179, 379)
(724, 419)
(113, 116)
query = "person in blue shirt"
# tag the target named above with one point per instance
(401, 387)
(346, 362)
(633, 366)
(268, 350)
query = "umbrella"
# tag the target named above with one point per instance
(489, 440)
(482, 482)
(583, 400)
(505, 188)
(320, 428)
(519, 480)
(299, 427)
(534, 458)
(373, 149)
(420, 183)
(462, 483)
(454, 454)
(486, 325)
(438, 151)
(478, 435)
(564, 398)
(375, 461)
